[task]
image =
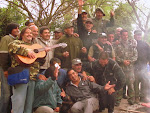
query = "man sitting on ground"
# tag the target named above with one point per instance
(82, 93)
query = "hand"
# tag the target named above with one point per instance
(117, 42)
(91, 59)
(76, 35)
(57, 109)
(84, 50)
(42, 77)
(99, 47)
(112, 13)
(66, 54)
(56, 73)
(80, 2)
(31, 54)
(6, 74)
(94, 31)
(146, 104)
(107, 86)
(47, 49)
(91, 78)
(126, 62)
(111, 90)
(108, 43)
(84, 75)
(63, 94)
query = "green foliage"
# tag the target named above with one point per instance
(122, 16)
(9, 15)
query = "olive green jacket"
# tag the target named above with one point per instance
(5, 61)
(74, 46)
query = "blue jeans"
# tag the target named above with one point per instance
(22, 98)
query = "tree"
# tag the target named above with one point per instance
(122, 16)
(142, 14)
(43, 12)
(9, 15)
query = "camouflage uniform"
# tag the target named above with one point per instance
(23, 94)
(15, 48)
(101, 25)
(127, 51)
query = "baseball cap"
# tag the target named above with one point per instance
(102, 35)
(68, 25)
(83, 11)
(76, 61)
(89, 20)
(100, 9)
(138, 32)
(58, 30)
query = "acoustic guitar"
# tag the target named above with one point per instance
(38, 50)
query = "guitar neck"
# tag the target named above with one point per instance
(49, 47)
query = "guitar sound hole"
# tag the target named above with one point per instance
(36, 50)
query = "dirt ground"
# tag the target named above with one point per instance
(124, 107)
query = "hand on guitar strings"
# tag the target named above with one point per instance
(47, 49)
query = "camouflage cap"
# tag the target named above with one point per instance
(68, 25)
(76, 61)
(58, 30)
(100, 9)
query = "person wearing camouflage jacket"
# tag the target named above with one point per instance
(23, 94)
(126, 55)
(100, 24)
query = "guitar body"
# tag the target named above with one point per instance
(28, 60)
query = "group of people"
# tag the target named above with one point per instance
(94, 71)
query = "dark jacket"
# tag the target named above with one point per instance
(85, 90)
(74, 46)
(87, 37)
(111, 72)
(143, 50)
(107, 48)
